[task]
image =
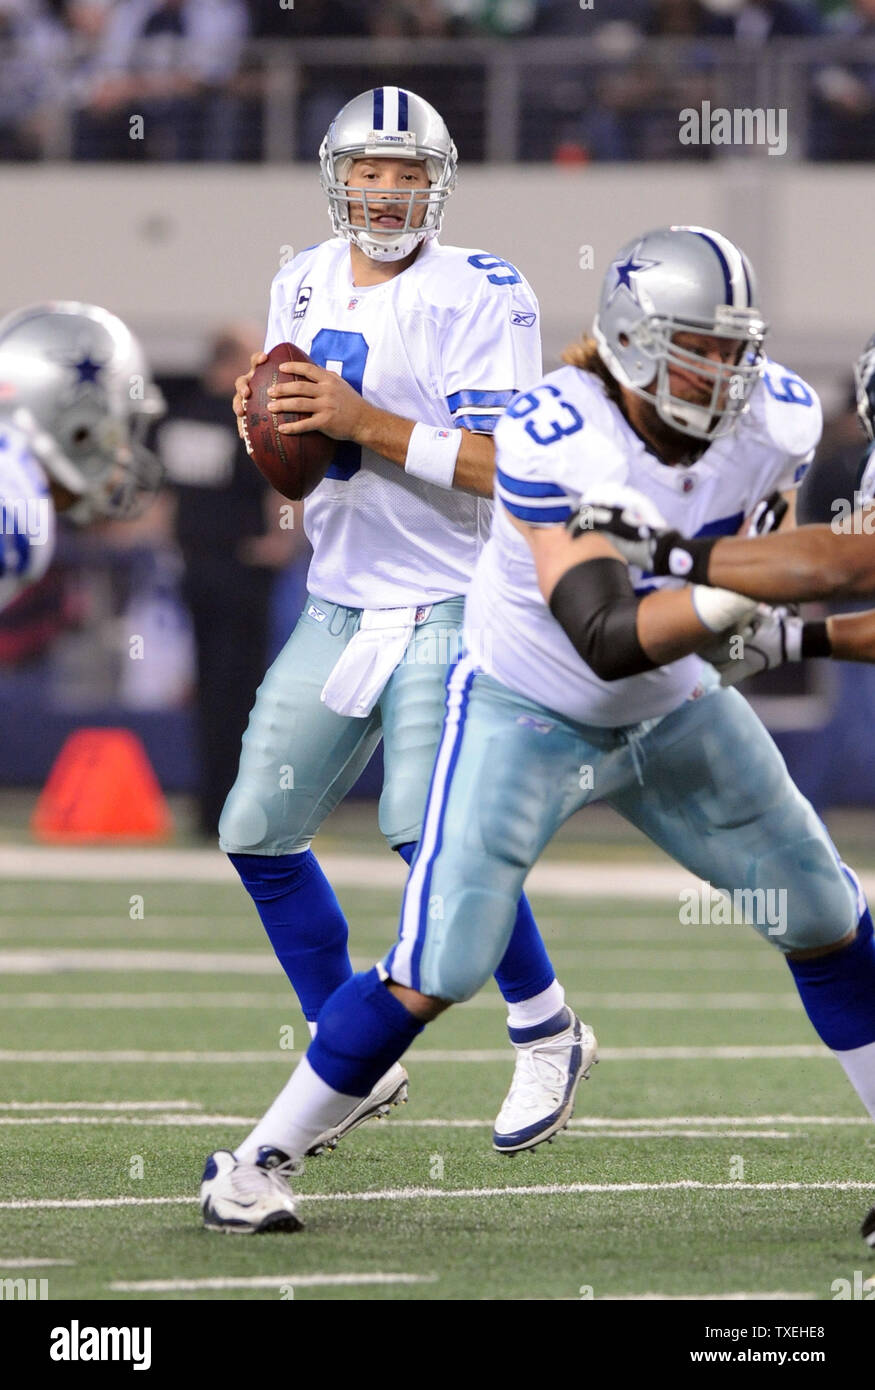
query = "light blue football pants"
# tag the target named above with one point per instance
(706, 783)
(299, 759)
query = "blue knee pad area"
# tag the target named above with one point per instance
(838, 991)
(303, 919)
(362, 1030)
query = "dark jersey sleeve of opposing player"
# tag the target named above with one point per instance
(831, 487)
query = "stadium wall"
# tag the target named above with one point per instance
(181, 249)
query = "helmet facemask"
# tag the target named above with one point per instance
(387, 123)
(864, 380)
(378, 243)
(121, 474)
(730, 383)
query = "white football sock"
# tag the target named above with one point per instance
(304, 1109)
(527, 1013)
(859, 1064)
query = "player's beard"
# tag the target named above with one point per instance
(680, 449)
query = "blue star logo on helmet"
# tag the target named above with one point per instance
(87, 369)
(625, 270)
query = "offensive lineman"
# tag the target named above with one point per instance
(806, 565)
(76, 399)
(420, 347)
(673, 398)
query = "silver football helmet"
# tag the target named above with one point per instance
(864, 378)
(387, 122)
(75, 380)
(682, 280)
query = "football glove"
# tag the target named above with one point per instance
(658, 549)
(631, 521)
(767, 515)
(772, 637)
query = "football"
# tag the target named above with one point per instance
(294, 464)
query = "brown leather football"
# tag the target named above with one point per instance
(294, 464)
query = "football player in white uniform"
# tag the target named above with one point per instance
(420, 347)
(588, 692)
(813, 567)
(76, 399)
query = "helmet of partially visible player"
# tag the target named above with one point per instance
(864, 377)
(75, 380)
(388, 123)
(680, 281)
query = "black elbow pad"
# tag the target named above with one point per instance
(597, 608)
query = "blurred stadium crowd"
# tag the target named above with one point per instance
(203, 73)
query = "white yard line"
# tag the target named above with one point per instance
(732, 1053)
(182, 999)
(95, 960)
(635, 879)
(34, 1264)
(655, 1121)
(101, 1105)
(400, 1194)
(588, 1127)
(166, 1121)
(50, 961)
(774, 1296)
(267, 1281)
(247, 1121)
(681, 1134)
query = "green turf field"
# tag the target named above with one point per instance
(717, 1149)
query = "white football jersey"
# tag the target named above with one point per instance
(27, 535)
(448, 342)
(560, 439)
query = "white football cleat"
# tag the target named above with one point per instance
(541, 1096)
(390, 1090)
(245, 1198)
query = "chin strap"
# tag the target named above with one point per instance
(385, 251)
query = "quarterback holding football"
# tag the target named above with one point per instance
(415, 350)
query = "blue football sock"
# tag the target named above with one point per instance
(303, 919)
(525, 968)
(838, 991)
(362, 1030)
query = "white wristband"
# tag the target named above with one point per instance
(718, 609)
(432, 454)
